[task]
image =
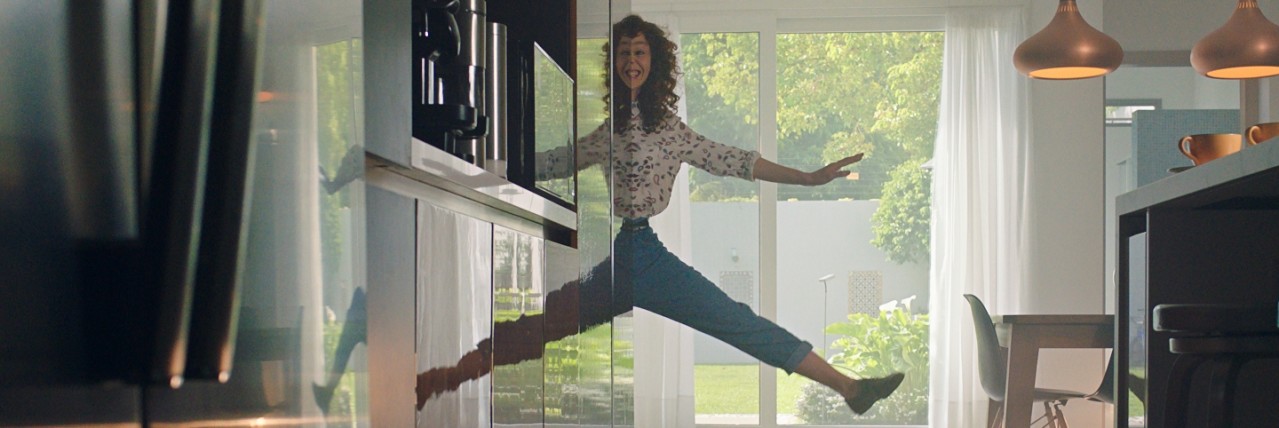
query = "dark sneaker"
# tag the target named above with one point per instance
(871, 390)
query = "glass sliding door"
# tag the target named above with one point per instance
(845, 265)
(721, 97)
(852, 256)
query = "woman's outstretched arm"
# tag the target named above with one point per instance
(769, 171)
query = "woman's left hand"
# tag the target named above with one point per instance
(833, 171)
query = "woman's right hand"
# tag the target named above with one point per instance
(833, 170)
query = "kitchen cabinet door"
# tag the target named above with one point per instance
(392, 323)
(454, 314)
(518, 288)
(561, 354)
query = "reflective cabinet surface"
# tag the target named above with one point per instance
(595, 226)
(454, 313)
(518, 289)
(300, 350)
(563, 400)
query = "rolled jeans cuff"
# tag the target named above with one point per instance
(796, 357)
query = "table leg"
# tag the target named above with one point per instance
(1019, 391)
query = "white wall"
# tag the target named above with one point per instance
(1172, 84)
(1065, 187)
(1066, 215)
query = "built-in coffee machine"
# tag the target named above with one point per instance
(449, 53)
(498, 139)
(490, 94)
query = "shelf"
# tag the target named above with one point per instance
(1248, 179)
(436, 168)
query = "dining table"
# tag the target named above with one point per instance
(1025, 335)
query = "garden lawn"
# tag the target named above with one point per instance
(734, 389)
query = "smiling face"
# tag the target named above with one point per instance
(632, 62)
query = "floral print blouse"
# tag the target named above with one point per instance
(645, 164)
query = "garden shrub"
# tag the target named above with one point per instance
(874, 346)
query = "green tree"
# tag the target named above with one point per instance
(721, 92)
(901, 223)
(838, 94)
(844, 93)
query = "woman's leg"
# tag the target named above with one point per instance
(817, 369)
(667, 286)
(859, 394)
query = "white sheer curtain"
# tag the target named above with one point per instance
(979, 177)
(664, 348)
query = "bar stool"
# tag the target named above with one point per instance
(1227, 336)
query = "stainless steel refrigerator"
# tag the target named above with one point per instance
(181, 213)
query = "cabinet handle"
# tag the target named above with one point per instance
(175, 187)
(220, 266)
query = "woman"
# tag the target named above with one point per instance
(653, 143)
(649, 143)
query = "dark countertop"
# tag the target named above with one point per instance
(1248, 179)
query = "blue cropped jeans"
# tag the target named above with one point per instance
(648, 276)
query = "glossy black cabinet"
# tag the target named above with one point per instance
(1203, 236)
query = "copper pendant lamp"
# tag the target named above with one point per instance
(1246, 47)
(1068, 48)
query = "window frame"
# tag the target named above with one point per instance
(1154, 103)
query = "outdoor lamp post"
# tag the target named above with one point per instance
(824, 303)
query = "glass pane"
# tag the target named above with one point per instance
(553, 121)
(339, 101)
(721, 92)
(595, 219)
(840, 94)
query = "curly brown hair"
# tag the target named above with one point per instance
(657, 96)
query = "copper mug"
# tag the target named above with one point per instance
(1201, 148)
(1262, 132)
